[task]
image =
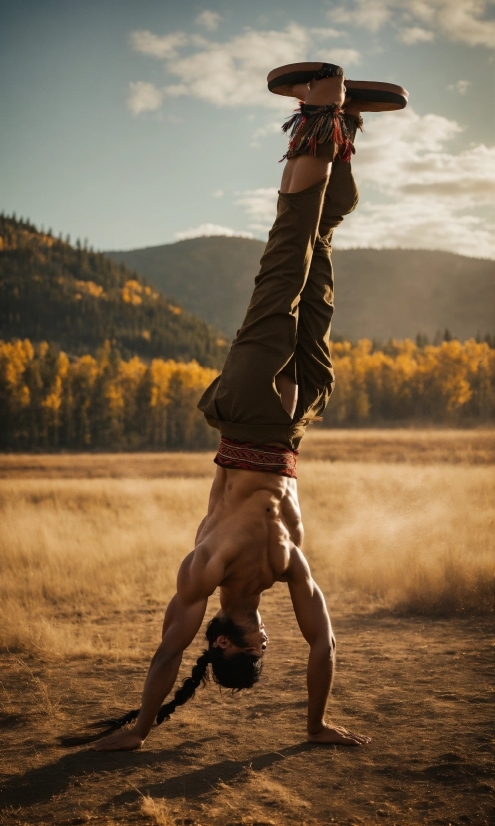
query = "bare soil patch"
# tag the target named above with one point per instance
(421, 689)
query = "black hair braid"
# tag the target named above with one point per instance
(236, 672)
(117, 722)
(188, 688)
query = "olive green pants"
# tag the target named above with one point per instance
(287, 324)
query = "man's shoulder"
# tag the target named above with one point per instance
(200, 573)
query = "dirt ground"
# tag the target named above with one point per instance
(422, 688)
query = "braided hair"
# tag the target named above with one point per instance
(236, 672)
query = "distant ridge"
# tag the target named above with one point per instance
(212, 275)
(380, 294)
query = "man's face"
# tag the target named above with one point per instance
(256, 640)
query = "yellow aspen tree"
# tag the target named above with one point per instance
(14, 393)
(186, 425)
(83, 375)
(161, 374)
(52, 402)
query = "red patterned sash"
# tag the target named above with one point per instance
(266, 458)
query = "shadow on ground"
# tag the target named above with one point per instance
(40, 785)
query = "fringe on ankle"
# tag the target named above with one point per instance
(326, 125)
(353, 123)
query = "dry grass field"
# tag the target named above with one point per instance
(473, 447)
(399, 534)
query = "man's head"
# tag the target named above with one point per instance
(242, 633)
(235, 650)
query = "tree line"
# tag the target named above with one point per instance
(49, 400)
(452, 383)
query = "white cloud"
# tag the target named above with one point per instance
(260, 205)
(144, 97)
(324, 33)
(274, 127)
(163, 48)
(342, 57)
(461, 86)
(209, 19)
(405, 153)
(418, 193)
(415, 34)
(217, 193)
(433, 195)
(372, 14)
(206, 230)
(233, 73)
(415, 224)
(459, 20)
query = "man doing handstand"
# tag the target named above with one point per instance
(277, 379)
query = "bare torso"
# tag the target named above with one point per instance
(248, 537)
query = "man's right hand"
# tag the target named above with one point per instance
(121, 741)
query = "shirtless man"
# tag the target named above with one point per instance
(277, 379)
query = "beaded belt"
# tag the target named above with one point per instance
(266, 458)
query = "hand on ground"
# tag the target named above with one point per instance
(338, 736)
(122, 741)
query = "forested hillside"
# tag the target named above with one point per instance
(77, 299)
(212, 277)
(379, 294)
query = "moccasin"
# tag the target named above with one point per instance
(373, 96)
(282, 80)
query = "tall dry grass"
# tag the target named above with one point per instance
(81, 557)
(402, 537)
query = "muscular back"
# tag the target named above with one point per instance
(248, 537)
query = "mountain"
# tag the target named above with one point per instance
(213, 276)
(380, 294)
(76, 299)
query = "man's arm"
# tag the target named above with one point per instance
(182, 623)
(183, 618)
(314, 622)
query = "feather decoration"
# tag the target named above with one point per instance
(326, 125)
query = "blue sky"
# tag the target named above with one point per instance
(140, 123)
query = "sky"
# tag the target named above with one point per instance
(132, 123)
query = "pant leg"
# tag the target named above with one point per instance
(243, 402)
(314, 369)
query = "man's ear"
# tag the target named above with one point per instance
(222, 642)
